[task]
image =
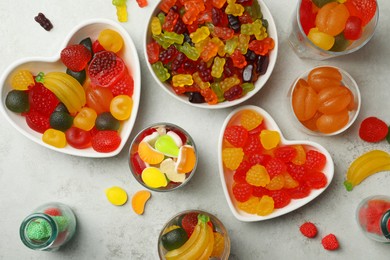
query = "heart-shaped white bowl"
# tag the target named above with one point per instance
(262, 80)
(89, 28)
(227, 175)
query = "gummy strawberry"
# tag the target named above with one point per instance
(364, 9)
(124, 86)
(37, 121)
(53, 211)
(285, 153)
(106, 141)
(275, 167)
(308, 229)
(302, 191)
(281, 198)
(75, 57)
(316, 180)
(330, 242)
(42, 100)
(189, 222)
(373, 129)
(315, 160)
(242, 191)
(105, 69)
(236, 135)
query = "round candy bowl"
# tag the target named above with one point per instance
(324, 101)
(163, 157)
(180, 240)
(180, 66)
(54, 65)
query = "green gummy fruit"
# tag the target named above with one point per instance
(17, 101)
(80, 76)
(340, 43)
(106, 121)
(166, 145)
(321, 3)
(61, 120)
(174, 239)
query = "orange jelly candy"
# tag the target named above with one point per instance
(186, 160)
(333, 99)
(331, 18)
(331, 123)
(304, 101)
(324, 77)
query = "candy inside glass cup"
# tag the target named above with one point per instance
(264, 64)
(326, 104)
(174, 236)
(163, 157)
(305, 48)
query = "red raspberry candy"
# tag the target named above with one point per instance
(281, 198)
(106, 141)
(285, 153)
(242, 191)
(259, 191)
(296, 171)
(308, 229)
(330, 242)
(302, 191)
(316, 180)
(240, 173)
(373, 130)
(189, 222)
(236, 135)
(364, 9)
(76, 57)
(275, 167)
(42, 100)
(259, 158)
(53, 212)
(253, 144)
(37, 121)
(124, 86)
(315, 160)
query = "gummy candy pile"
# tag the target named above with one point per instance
(211, 51)
(83, 107)
(334, 25)
(163, 156)
(267, 174)
(192, 236)
(321, 102)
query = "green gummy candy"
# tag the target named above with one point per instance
(160, 71)
(166, 145)
(119, 2)
(348, 186)
(38, 230)
(321, 3)
(62, 222)
(340, 43)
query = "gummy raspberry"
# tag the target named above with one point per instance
(37, 121)
(240, 173)
(242, 191)
(373, 130)
(106, 141)
(259, 191)
(232, 157)
(330, 242)
(105, 69)
(43, 21)
(259, 158)
(285, 153)
(302, 191)
(257, 176)
(124, 86)
(250, 119)
(42, 100)
(316, 180)
(308, 229)
(275, 167)
(250, 206)
(315, 160)
(75, 57)
(276, 183)
(236, 135)
(189, 222)
(281, 198)
(296, 171)
(53, 212)
(253, 144)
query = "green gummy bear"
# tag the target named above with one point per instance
(119, 2)
(160, 71)
(191, 52)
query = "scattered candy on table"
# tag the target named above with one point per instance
(139, 200)
(43, 21)
(213, 52)
(116, 195)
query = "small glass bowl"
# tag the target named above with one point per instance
(216, 225)
(137, 165)
(346, 81)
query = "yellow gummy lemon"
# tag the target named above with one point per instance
(153, 177)
(116, 195)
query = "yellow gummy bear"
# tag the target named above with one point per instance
(121, 12)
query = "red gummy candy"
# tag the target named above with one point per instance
(330, 242)
(275, 167)
(189, 222)
(364, 9)
(236, 135)
(373, 130)
(259, 191)
(242, 191)
(53, 212)
(142, 3)
(153, 51)
(296, 171)
(307, 16)
(285, 153)
(315, 160)
(302, 191)
(124, 86)
(37, 121)
(253, 144)
(240, 174)
(106, 141)
(308, 229)
(42, 100)
(97, 47)
(281, 198)
(316, 180)
(75, 57)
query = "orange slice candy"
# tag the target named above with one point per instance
(139, 200)
(186, 159)
(148, 154)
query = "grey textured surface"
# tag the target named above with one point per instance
(31, 175)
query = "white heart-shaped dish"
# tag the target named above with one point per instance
(89, 28)
(226, 175)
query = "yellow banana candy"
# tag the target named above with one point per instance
(198, 245)
(66, 88)
(366, 165)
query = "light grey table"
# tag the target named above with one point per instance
(31, 175)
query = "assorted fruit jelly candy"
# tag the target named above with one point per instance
(138, 201)
(304, 100)
(110, 40)
(223, 33)
(331, 123)
(165, 5)
(148, 154)
(166, 145)
(106, 121)
(170, 21)
(181, 80)
(269, 139)
(138, 164)
(266, 206)
(209, 96)
(321, 39)
(153, 51)
(191, 52)
(219, 245)
(307, 16)
(232, 157)
(168, 168)
(116, 195)
(153, 177)
(257, 175)
(142, 3)
(75, 57)
(250, 206)
(276, 183)
(285, 153)
(78, 138)
(251, 28)
(233, 93)
(323, 77)
(315, 160)
(17, 101)
(231, 45)
(281, 198)
(22, 80)
(236, 135)
(155, 26)
(289, 181)
(331, 18)
(121, 107)
(61, 120)
(43, 21)
(98, 98)
(218, 3)
(243, 43)
(248, 73)
(234, 9)
(105, 68)
(229, 82)
(121, 13)
(217, 68)
(186, 160)
(364, 9)
(216, 87)
(54, 138)
(333, 100)
(106, 141)
(119, 2)
(262, 47)
(300, 157)
(85, 119)
(210, 50)
(238, 59)
(275, 167)
(353, 28)
(315, 180)
(250, 119)
(168, 55)
(160, 71)
(253, 144)
(124, 86)
(373, 129)
(242, 191)
(200, 34)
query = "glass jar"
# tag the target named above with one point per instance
(48, 227)
(373, 217)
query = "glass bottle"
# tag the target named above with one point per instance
(48, 227)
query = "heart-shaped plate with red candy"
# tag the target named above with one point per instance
(264, 175)
(91, 29)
